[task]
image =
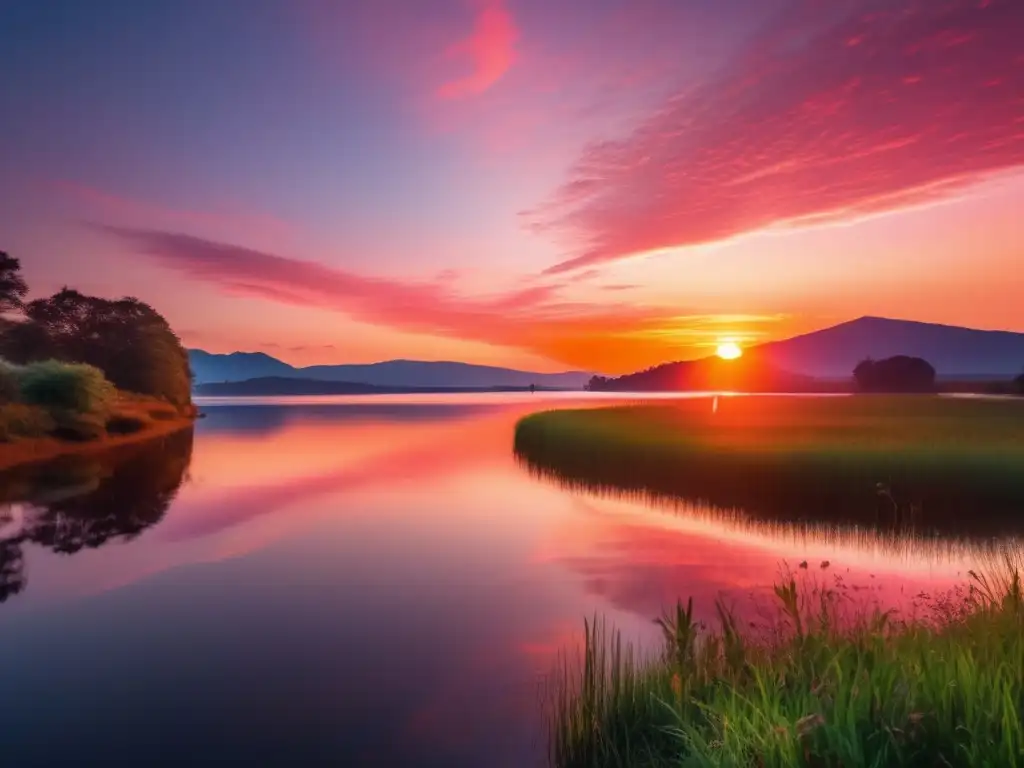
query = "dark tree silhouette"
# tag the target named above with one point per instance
(895, 374)
(12, 285)
(1019, 384)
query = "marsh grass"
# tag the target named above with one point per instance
(877, 461)
(822, 683)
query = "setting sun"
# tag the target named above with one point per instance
(729, 350)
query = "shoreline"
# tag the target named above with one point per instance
(36, 450)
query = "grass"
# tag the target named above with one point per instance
(819, 686)
(871, 460)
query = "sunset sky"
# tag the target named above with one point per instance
(598, 184)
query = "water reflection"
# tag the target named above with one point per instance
(85, 502)
(353, 584)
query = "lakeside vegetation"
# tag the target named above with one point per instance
(936, 463)
(827, 680)
(817, 686)
(77, 372)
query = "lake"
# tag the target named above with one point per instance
(357, 581)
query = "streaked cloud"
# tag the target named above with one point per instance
(834, 111)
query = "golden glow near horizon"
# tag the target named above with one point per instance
(729, 350)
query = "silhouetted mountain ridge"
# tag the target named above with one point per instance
(401, 374)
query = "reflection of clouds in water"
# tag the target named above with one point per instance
(642, 559)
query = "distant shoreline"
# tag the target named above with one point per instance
(281, 387)
(287, 387)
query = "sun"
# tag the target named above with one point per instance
(729, 350)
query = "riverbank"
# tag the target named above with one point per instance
(132, 419)
(808, 689)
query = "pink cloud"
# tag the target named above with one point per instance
(490, 49)
(831, 113)
(535, 318)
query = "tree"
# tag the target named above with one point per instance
(125, 338)
(895, 374)
(1019, 383)
(13, 287)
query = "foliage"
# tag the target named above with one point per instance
(1019, 384)
(817, 688)
(125, 338)
(891, 460)
(895, 374)
(9, 390)
(20, 420)
(12, 285)
(66, 388)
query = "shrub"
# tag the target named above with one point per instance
(125, 424)
(74, 388)
(8, 384)
(20, 420)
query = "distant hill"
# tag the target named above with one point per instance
(279, 385)
(402, 374)
(955, 352)
(748, 374)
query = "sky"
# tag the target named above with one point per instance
(587, 184)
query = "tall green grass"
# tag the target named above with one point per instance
(820, 686)
(955, 465)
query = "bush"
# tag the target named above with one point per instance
(20, 420)
(8, 384)
(73, 388)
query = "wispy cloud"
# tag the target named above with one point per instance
(536, 318)
(489, 50)
(835, 111)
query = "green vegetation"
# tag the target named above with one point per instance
(78, 368)
(126, 339)
(65, 387)
(950, 464)
(816, 687)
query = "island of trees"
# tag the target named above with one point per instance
(77, 370)
(895, 374)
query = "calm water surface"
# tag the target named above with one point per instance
(350, 582)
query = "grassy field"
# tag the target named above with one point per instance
(815, 688)
(950, 464)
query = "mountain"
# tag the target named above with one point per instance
(955, 352)
(278, 385)
(235, 367)
(394, 374)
